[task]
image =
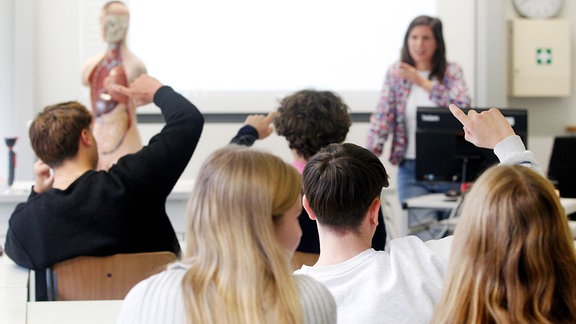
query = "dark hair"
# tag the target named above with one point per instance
(310, 120)
(439, 57)
(55, 133)
(340, 183)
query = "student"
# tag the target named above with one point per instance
(422, 77)
(74, 210)
(341, 186)
(513, 257)
(309, 120)
(242, 228)
(115, 125)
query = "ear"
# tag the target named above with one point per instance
(373, 211)
(306, 205)
(85, 138)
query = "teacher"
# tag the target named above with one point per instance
(422, 77)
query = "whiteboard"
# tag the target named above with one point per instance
(244, 56)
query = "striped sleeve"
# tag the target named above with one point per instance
(157, 299)
(318, 304)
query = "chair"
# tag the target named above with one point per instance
(103, 278)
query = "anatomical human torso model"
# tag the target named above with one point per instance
(114, 126)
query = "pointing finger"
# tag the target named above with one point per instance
(459, 114)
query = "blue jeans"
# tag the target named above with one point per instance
(409, 187)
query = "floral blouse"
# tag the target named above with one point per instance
(390, 116)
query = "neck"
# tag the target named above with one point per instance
(423, 66)
(336, 248)
(67, 173)
(118, 48)
(297, 157)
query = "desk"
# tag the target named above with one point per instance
(13, 292)
(11, 275)
(13, 305)
(175, 205)
(441, 202)
(83, 311)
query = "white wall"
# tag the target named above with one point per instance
(17, 54)
(547, 117)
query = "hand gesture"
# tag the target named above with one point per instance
(410, 73)
(261, 123)
(141, 90)
(43, 178)
(485, 129)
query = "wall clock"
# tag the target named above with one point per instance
(538, 8)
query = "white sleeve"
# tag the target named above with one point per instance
(441, 247)
(511, 150)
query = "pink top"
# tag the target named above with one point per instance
(299, 166)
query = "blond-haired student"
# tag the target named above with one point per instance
(242, 229)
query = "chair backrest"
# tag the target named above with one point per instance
(102, 278)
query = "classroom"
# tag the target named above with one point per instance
(44, 45)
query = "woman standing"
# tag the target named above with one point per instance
(422, 77)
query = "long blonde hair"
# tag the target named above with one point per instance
(239, 273)
(513, 258)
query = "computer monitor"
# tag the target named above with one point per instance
(442, 153)
(562, 166)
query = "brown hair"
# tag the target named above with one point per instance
(55, 133)
(311, 119)
(439, 57)
(513, 258)
(341, 182)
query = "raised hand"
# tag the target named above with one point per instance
(485, 129)
(141, 90)
(261, 123)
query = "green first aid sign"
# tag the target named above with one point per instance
(543, 56)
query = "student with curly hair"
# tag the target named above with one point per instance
(311, 120)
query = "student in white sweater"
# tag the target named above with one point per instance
(242, 229)
(341, 187)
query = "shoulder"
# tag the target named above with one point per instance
(411, 247)
(392, 67)
(165, 281)
(88, 66)
(166, 284)
(453, 68)
(307, 284)
(156, 299)
(441, 247)
(134, 67)
(318, 304)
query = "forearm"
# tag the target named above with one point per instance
(157, 166)
(511, 150)
(246, 136)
